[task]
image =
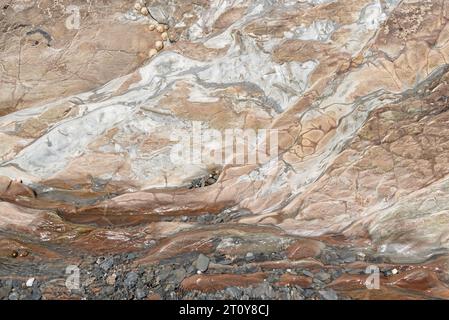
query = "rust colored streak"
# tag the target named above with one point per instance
(289, 280)
(215, 282)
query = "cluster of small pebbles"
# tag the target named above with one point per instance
(206, 180)
(13, 289)
(162, 29)
(19, 253)
(140, 7)
(159, 44)
(120, 277)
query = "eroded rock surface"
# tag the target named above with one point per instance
(91, 94)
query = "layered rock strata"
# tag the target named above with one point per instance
(357, 91)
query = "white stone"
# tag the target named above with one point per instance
(30, 282)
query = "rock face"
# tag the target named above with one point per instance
(96, 97)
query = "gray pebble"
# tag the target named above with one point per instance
(308, 293)
(249, 256)
(323, 276)
(354, 271)
(16, 283)
(329, 294)
(263, 291)
(107, 264)
(179, 275)
(295, 294)
(131, 256)
(233, 292)
(348, 256)
(307, 273)
(4, 292)
(13, 296)
(140, 293)
(147, 277)
(225, 262)
(131, 279)
(202, 263)
(108, 290)
(36, 294)
(190, 269)
(164, 274)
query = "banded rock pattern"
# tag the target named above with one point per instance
(356, 89)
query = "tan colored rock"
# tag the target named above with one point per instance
(305, 248)
(144, 11)
(138, 6)
(158, 45)
(42, 65)
(356, 89)
(10, 189)
(152, 53)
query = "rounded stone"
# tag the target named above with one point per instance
(152, 53)
(144, 11)
(24, 253)
(30, 282)
(137, 6)
(140, 293)
(160, 28)
(131, 279)
(159, 45)
(13, 296)
(202, 263)
(173, 38)
(164, 36)
(151, 27)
